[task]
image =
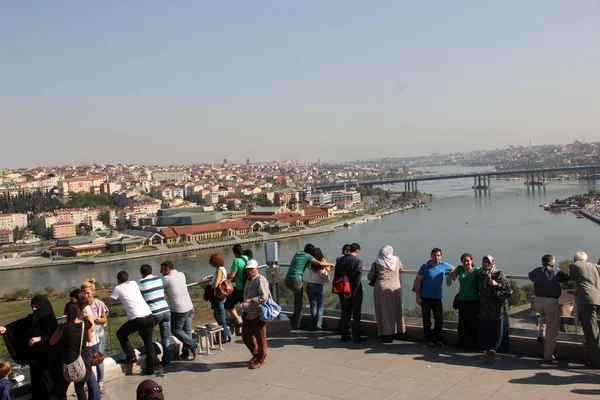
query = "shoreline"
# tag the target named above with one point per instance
(40, 262)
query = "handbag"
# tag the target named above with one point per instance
(223, 289)
(324, 276)
(96, 356)
(269, 310)
(372, 281)
(414, 286)
(340, 285)
(75, 371)
(456, 301)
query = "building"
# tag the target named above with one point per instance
(12, 221)
(343, 195)
(80, 184)
(320, 199)
(64, 230)
(6, 236)
(211, 198)
(186, 216)
(168, 175)
(206, 231)
(125, 244)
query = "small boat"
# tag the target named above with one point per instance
(346, 224)
(579, 216)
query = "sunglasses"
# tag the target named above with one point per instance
(149, 391)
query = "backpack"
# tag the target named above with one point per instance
(75, 371)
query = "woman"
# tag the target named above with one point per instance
(217, 304)
(494, 291)
(468, 302)
(69, 335)
(78, 296)
(28, 342)
(387, 294)
(100, 315)
(254, 331)
(315, 289)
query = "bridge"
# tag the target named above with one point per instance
(536, 176)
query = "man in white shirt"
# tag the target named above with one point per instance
(182, 309)
(140, 320)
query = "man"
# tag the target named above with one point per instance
(345, 250)
(140, 320)
(238, 278)
(153, 291)
(254, 331)
(351, 266)
(149, 390)
(587, 279)
(546, 286)
(293, 279)
(428, 286)
(182, 309)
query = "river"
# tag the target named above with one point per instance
(507, 223)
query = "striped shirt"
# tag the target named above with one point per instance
(154, 293)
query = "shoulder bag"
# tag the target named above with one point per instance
(75, 371)
(324, 276)
(340, 285)
(269, 310)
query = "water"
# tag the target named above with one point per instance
(507, 223)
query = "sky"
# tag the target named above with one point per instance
(184, 82)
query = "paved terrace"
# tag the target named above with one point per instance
(317, 365)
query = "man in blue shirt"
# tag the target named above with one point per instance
(428, 286)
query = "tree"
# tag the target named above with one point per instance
(105, 217)
(17, 233)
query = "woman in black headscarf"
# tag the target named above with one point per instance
(27, 341)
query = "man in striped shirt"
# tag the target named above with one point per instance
(153, 291)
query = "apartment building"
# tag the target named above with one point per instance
(60, 231)
(12, 221)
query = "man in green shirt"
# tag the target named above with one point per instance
(238, 277)
(293, 279)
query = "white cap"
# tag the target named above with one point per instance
(252, 264)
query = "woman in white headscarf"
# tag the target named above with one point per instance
(387, 296)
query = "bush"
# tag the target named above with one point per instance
(20, 294)
(49, 290)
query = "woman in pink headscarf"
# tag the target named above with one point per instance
(387, 296)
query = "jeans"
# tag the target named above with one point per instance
(221, 318)
(316, 297)
(181, 327)
(100, 367)
(427, 306)
(295, 285)
(493, 334)
(163, 321)
(143, 326)
(352, 308)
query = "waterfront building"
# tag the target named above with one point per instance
(186, 216)
(194, 233)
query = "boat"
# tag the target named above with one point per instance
(346, 224)
(579, 216)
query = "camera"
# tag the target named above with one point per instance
(17, 380)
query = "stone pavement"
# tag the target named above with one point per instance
(307, 365)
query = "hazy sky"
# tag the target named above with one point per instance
(197, 81)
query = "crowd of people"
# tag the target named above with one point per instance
(482, 303)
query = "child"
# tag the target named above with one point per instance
(4, 383)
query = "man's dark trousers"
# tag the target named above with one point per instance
(427, 306)
(351, 308)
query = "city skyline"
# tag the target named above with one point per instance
(193, 83)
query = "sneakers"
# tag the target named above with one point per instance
(439, 343)
(430, 344)
(147, 371)
(256, 364)
(490, 352)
